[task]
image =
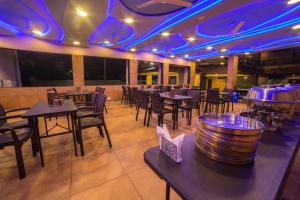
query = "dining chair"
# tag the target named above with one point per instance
(95, 119)
(124, 95)
(212, 100)
(157, 107)
(16, 137)
(228, 99)
(142, 103)
(20, 123)
(100, 90)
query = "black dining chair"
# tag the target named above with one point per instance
(100, 90)
(95, 119)
(16, 134)
(228, 98)
(89, 106)
(166, 88)
(212, 101)
(143, 102)
(20, 123)
(189, 105)
(124, 95)
(157, 107)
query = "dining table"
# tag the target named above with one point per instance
(42, 109)
(176, 99)
(78, 93)
(198, 177)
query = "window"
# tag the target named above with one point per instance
(104, 71)
(148, 72)
(45, 69)
(176, 74)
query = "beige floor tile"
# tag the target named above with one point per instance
(149, 185)
(48, 183)
(119, 188)
(132, 157)
(91, 171)
(124, 140)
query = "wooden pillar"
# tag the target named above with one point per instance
(133, 72)
(78, 70)
(166, 67)
(232, 70)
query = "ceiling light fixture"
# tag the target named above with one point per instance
(293, 2)
(198, 60)
(81, 13)
(222, 63)
(165, 34)
(223, 50)
(191, 39)
(106, 42)
(296, 27)
(246, 53)
(76, 43)
(209, 48)
(154, 49)
(186, 55)
(172, 56)
(132, 49)
(129, 20)
(222, 56)
(36, 32)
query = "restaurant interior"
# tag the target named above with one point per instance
(149, 99)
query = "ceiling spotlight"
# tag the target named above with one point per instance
(132, 49)
(293, 2)
(222, 56)
(106, 42)
(186, 55)
(165, 34)
(154, 49)
(36, 32)
(81, 13)
(191, 39)
(209, 48)
(151, 63)
(129, 20)
(172, 56)
(223, 50)
(198, 60)
(246, 53)
(297, 26)
(76, 43)
(222, 63)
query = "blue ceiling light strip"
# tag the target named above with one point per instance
(176, 19)
(10, 28)
(278, 41)
(229, 39)
(233, 12)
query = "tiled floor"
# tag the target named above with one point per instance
(103, 173)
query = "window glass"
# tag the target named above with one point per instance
(115, 71)
(148, 72)
(45, 69)
(176, 74)
(93, 70)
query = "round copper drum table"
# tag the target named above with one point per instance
(228, 138)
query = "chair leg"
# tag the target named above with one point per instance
(149, 114)
(107, 134)
(80, 142)
(145, 117)
(100, 131)
(105, 109)
(20, 162)
(137, 114)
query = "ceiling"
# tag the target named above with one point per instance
(218, 27)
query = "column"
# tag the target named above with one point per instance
(166, 67)
(78, 70)
(193, 73)
(232, 70)
(133, 72)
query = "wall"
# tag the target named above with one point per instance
(7, 67)
(28, 96)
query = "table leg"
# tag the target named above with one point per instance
(176, 113)
(73, 132)
(38, 139)
(167, 191)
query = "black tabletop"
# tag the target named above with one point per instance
(43, 108)
(198, 177)
(176, 97)
(79, 92)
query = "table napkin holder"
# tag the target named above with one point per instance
(171, 147)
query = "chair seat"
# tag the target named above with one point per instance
(166, 110)
(84, 112)
(90, 122)
(17, 124)
(23, 135)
